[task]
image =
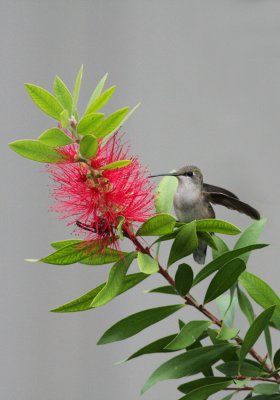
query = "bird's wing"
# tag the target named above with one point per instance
(233, 203)
(216, 189)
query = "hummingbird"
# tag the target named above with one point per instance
(193, 199)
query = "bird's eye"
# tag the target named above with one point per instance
(190, 173)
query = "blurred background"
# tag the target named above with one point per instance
(208, 76)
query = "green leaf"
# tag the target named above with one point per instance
(157, 225)
(276, 359)
(222, 247)
(216, 226)
(158, 346)
(163, 289)
(84, 302)
(135, 323)
(227, 333)
(189, 363)
(147, 264)
(63, 94)
(268, 342)
(35, 150)
(88, 146)
(183, 279)
(62, 243)
(64, 119)
(266, 388)
(206, 390)
(121, 221)
(245, 305)
(89, 123)
(184, 244)
(202, 382)
(255, 331)
(44, 100)
(262, 293)
(98, 90)
(248, 368)
(100, 101)
(250, 236)
(77, 87)
(115, 281)
(267, 397)
(222, 260)
(165, 193)
(54, 137)
(208, 238)
(116, 164)
(111, 123)
(224, 279)
(188, 335)
(226, 306)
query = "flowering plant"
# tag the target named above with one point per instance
(107, 195)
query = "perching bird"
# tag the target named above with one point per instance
(193, 198)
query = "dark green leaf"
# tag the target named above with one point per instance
(54, 137)
(268, 342)
(224, 279)
(222, 247)
(98, 90)
(89, 123)
(117, 164)
(267, 397)
(147, 264)
(196, 384)
(100, 101)
(163, 289)
(204, 391)
(36, 151)
(245, 305)
(165, 193)
(135, 323)
(77, 87)
(44, 100)
(222, 260)
(216, 226)
(63, 94)
(183, 279)
(111, 123)
(115, 281)
(276, 359)
(227, 333)
(189, 363)
(255, 331)
(250, 236)
(158, 346)
(168, 236)
(208, 238)
(160, 224)
(248, 368)
(84, 302)
(188, 335)
(262, 293)
(88, 146)
(266, 388)
(184, 244)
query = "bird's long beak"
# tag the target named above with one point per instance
(169, 174)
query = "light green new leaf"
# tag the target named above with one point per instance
(189, 363)
(224, 279)
(199, 383)
(206, 390)
(64, 119)
(227, 333)
(89, 123)
(188, 335)
(62, 243)
(216, 226)
(216, 264)
(147, 264)
(221, 246)
(44, 100)
(184, 244)
(54, 137)
(262, 293)
(226, 305)
(84, 302)
(115, 281)
(183, 279)
(245, 305)
(35, 150)
(165, 193)
(250, 236)
(97, 91)
(255, 331)
(157, 225)
(111, 123)
(101, 100)
(121, 221)
(266, 388)
(63, 94)
(88, 146)
(135, 323)
(77, 88)
(116, 164)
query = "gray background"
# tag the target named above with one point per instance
(208, 75)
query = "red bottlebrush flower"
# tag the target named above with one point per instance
(96, 199)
